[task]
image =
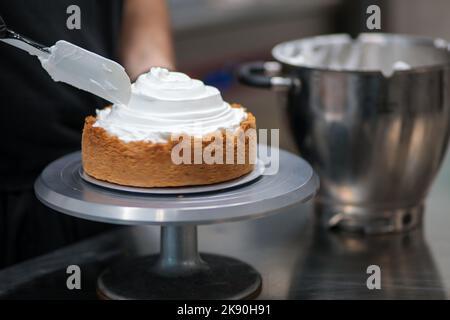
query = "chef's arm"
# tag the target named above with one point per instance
(146, 37)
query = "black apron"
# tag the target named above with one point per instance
(42, 120)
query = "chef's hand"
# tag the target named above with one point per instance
(146, 38)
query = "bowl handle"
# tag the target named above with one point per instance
(263, 74)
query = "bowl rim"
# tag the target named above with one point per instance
(373, 37)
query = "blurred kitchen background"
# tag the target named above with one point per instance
(213, 36)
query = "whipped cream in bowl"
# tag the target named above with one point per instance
(164, 103)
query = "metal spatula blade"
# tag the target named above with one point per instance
(87, 71)
(76, 66)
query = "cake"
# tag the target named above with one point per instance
(154, 140)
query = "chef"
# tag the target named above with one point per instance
(42, 120)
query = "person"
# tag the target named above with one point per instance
(42, 120)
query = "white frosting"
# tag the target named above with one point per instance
(164, 103)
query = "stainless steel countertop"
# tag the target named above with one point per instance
(297, 259)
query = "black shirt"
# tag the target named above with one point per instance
(40, 119)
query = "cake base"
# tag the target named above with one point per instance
(245, 179)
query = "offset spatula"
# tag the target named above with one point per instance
(76, 66)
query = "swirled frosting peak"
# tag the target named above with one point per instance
(164, 103)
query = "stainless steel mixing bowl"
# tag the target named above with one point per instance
(372, 115)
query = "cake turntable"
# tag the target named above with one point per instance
(179, 271)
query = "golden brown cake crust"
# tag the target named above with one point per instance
(145, 164)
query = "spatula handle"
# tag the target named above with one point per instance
(7, 34)
(2, 28)
(13, 35)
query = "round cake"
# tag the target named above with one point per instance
(175, 131)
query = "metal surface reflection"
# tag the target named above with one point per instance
(334, 266)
